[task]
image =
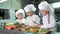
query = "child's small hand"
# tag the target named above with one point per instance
(38, 24)
(22, 29)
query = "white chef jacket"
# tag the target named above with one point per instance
(33, 20)
(21, 21)
(45, 22)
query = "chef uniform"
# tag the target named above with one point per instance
(48, 19)
(23, 20)
(34, 19)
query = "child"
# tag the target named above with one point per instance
(20, 17)
(32, 19)
(21, 20)
(48, 18)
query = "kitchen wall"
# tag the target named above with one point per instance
(12, 5)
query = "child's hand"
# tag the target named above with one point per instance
(22, 29)
(38, 24)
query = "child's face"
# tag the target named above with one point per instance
(20, 16)
(30, 13)
(43, 12)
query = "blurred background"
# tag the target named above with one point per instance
(9, 7)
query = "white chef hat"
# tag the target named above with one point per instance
(20, 11)
(44, 6)
(30, 7)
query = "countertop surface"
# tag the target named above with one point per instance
(4, 31)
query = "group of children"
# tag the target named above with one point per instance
(34, 20)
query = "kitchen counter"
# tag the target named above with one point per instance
(4, 31)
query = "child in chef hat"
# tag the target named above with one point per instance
(48, 19)
(20, 14)
(32, 19)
